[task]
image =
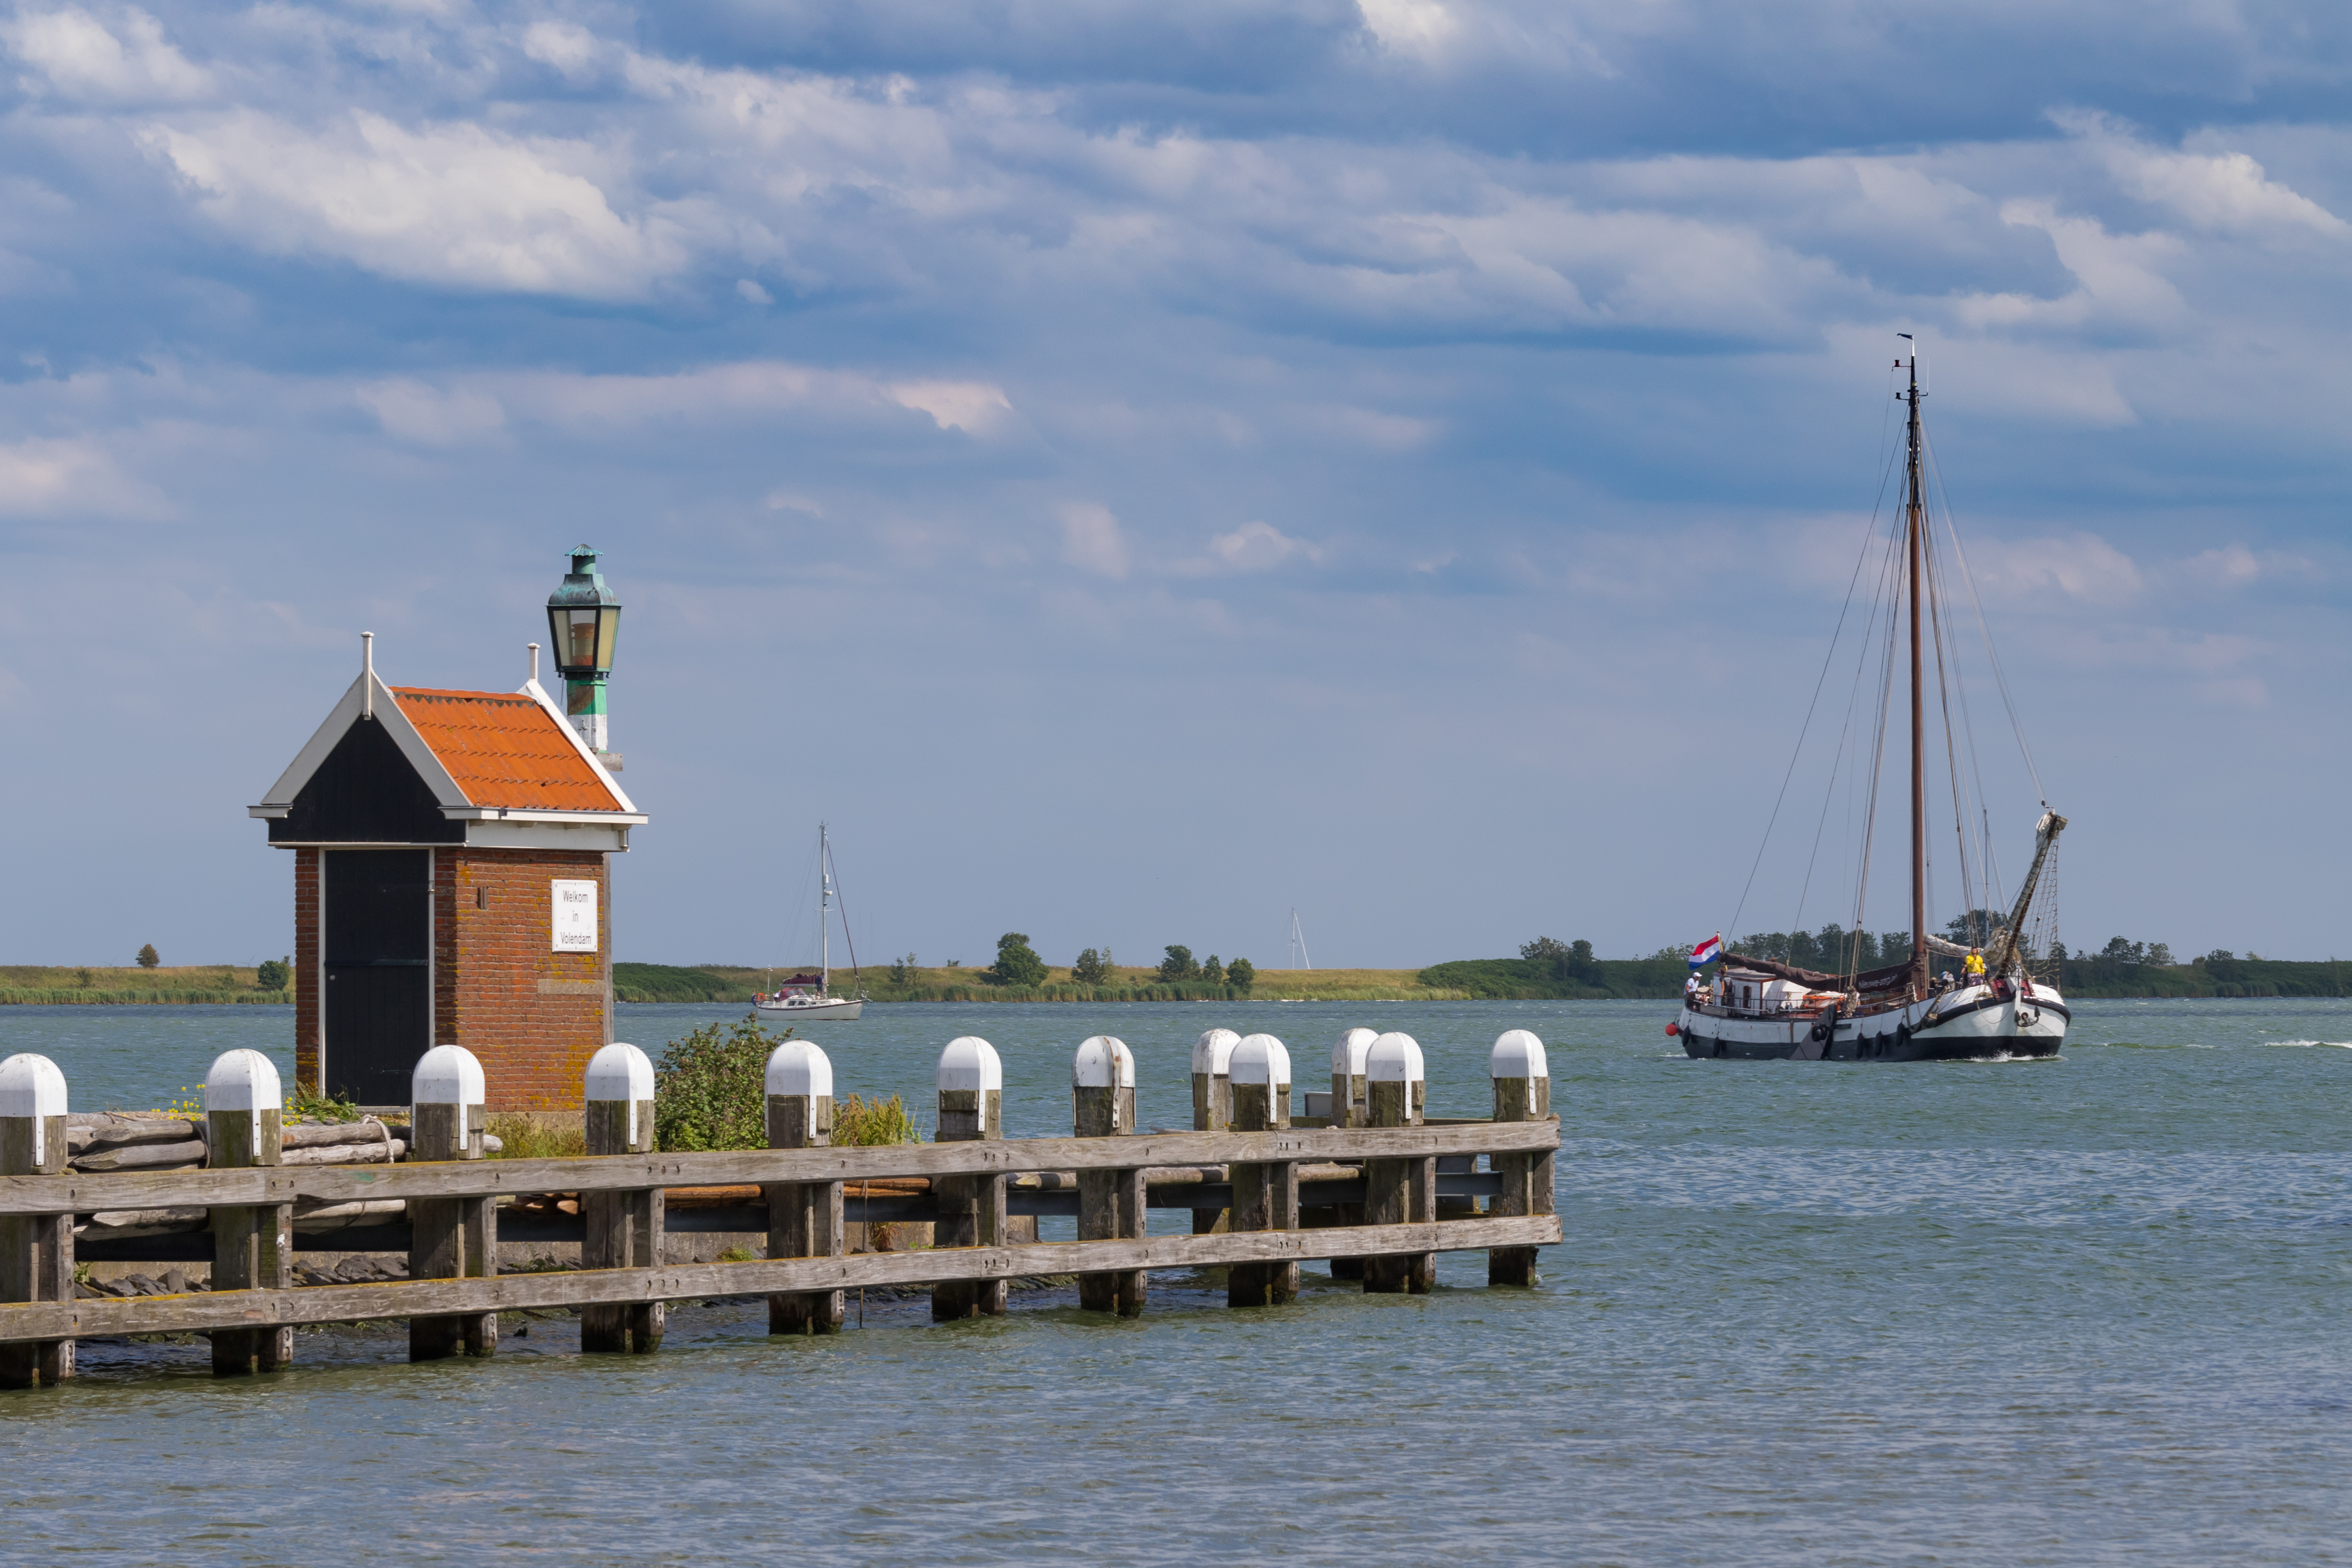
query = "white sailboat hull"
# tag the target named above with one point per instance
(1971, 1023)
(795, 1010)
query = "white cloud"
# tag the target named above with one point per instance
(2222, 192)
(973, 407)
(431, 416)
(573, 52)
(77, 58)
(1091, 539)
(2120, 283)
(1412, 26)
(70, 478)
(753, 292)
(451, 203)
(2081, 566)
(1259, 547)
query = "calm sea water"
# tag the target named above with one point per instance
(2084, 1311)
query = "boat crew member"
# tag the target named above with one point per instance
(1972, 967)
(1691, 987)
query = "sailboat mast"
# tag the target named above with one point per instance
(824, 874)
(1913, 525)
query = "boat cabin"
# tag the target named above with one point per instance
(450, 887)
(1748, 991)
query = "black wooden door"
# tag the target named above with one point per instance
(379, 917)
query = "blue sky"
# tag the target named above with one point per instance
(1137, 469)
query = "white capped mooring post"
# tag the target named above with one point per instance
(1212, 1108)
(1110, 1203)
(1522, 1093)
(253, 1245)
(805, 1218)
(1212, 1088)
(1398, 1190)
(624, 1228)
(36, 1260)
(450, 1238)
(971, 1208)
(1265, 1193)
(1347, 1054)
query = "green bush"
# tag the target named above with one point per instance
(1089, 969)
(1178, 965)
(1017, 962)
(273, 973)
(1241, 974)
(147, 958)
(711, 1088)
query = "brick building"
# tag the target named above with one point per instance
(450, 887)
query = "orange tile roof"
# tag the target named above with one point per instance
(504, 749)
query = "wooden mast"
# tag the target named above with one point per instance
(1913, 526)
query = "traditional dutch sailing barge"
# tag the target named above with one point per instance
(1758, 1009)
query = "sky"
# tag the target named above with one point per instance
(1139, 470)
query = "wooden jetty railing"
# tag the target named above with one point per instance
(1410, 1212)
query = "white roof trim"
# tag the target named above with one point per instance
(346, 713)
(563, 722)
(523, 813)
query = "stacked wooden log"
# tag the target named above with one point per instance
(111, 1141)
(105, 1140)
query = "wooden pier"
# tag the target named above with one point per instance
(1293, 1193)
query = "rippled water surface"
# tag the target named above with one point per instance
(2084, 1311)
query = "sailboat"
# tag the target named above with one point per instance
(806, 997)
(1757, 1008)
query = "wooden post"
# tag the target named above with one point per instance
(1213, 1107)
(253, 1245)
(1398, 1192)
(1265, 1195)
(450, 1238)
(1348, 1109)
(803, 1218)
(36, 1260)
(624, 1228)
(1522, 1093)
(971, 1208)
(1110, 1203)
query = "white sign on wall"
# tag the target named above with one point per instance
(576, 917)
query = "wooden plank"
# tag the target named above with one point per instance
(199, 1313)
(77, 1191)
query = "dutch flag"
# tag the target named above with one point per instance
(1707, 952)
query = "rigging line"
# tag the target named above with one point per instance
(1829, 796)
(1799, 749)
(1951, 752)
(1968, 729)
(1993, 654)
(1894, 604)
(856, 975)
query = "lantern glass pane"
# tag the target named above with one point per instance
(581, 651)
(608, 632)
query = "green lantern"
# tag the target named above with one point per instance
(584, 620)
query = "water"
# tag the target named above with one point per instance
(2084, 1311)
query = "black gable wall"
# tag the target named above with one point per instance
(365, 793)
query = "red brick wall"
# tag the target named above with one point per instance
(306, 967)
(493, 968)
